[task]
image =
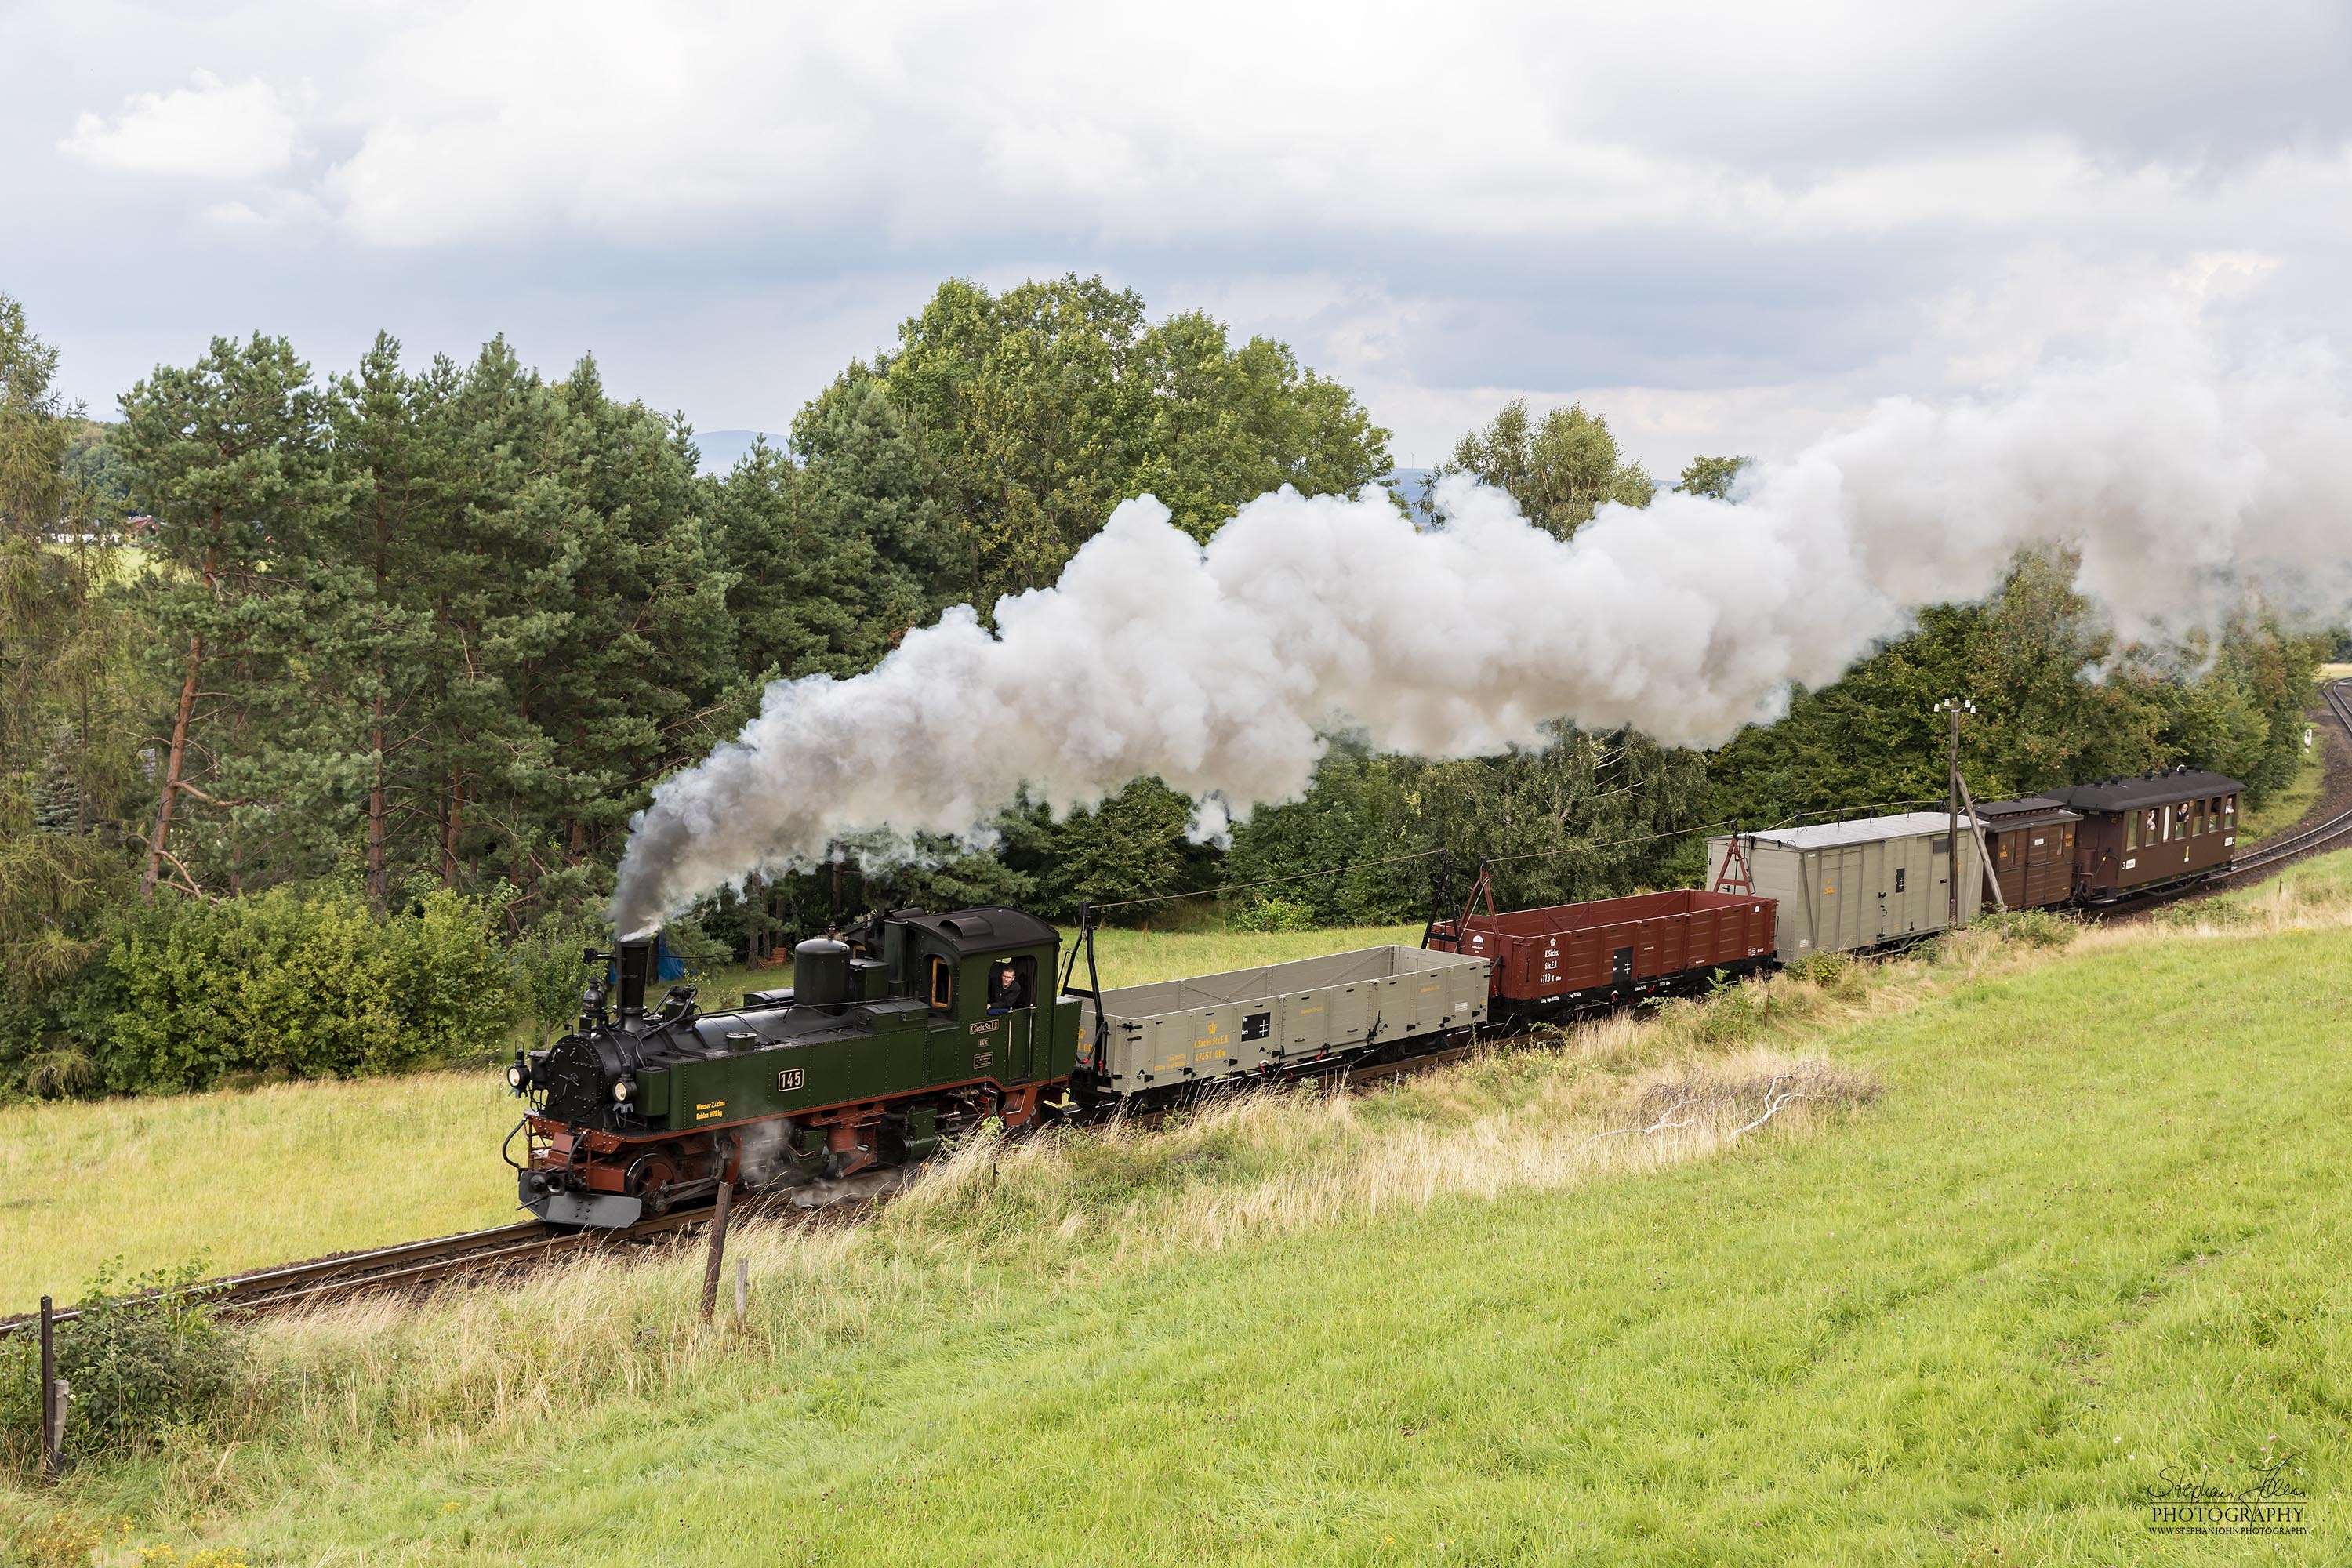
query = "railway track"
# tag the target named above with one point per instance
(2327, 832)
(2333, 831)
(507, 1250)
(500, 1250)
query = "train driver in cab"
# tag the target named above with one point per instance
(1005, 991)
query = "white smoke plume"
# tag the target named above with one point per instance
(2183, 483)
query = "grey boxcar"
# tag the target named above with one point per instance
(1210, 1026)
(1848, 887)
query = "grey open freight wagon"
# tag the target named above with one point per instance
(1849, 887)
(1284, 1016)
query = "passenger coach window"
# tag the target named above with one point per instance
(942, 983)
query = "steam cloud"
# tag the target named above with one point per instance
(2183, 484)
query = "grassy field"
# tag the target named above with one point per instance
(2092, 1227)
(246, 1178)
(254, 1177)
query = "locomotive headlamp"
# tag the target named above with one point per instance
(623, 1090)
(514, 1076)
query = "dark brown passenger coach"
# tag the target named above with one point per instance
(2031, 842)
(2151, 830)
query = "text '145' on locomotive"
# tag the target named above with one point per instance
(916, 1026)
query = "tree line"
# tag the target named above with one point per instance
(409, 633)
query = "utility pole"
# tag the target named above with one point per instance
(1955, 707)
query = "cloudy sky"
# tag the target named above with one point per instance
(1730, 226)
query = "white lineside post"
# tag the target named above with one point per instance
(743, 1287)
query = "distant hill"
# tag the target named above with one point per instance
(722, 450)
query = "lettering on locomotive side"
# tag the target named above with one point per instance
(987, 1028)
(791, 1078)
(982, 1061)
(710, 1110)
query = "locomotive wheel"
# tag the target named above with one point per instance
(650, 1179)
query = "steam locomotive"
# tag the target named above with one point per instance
(916, 1026)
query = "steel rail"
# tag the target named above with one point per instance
(412, 1264)
(2318, 834)
(2332, 831)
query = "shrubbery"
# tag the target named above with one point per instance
(2031, 928)
(143, 1355)
(186, 994)
(1274, 914)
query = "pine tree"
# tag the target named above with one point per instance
(227, 452)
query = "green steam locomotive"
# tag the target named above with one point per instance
(916, 1026)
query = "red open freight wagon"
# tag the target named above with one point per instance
(1570, 957)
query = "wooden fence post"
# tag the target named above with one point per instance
(53, 1424)
(718, 1250)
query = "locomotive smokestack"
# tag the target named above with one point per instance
(636, 960)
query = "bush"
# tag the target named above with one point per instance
(548, 973)
(287, 985)
(1732, 1012)
(2189, 913)
(2030, 928)
(140, 1358)
(1838, 973)
(1274, 914)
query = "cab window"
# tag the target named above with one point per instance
(1011, 983)
(943, 984)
